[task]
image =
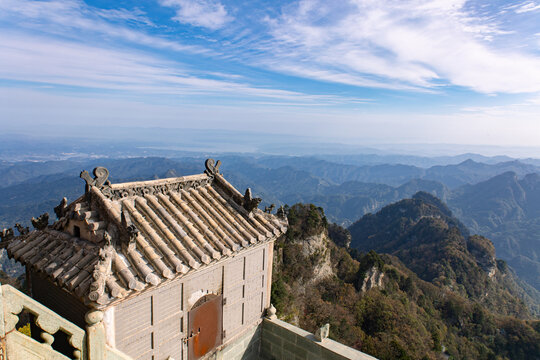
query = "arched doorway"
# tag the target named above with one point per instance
(204, 326)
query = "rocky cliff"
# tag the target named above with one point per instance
(438, 295)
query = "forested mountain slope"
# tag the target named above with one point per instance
(375, 303)
(425, 236)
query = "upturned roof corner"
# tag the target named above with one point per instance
(100, 179)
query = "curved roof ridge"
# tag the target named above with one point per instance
(165, 181)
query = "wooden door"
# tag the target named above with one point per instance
(204, 326)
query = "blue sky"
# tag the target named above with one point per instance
(373, 71)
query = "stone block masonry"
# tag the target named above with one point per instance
(283, 341)
(245, 346)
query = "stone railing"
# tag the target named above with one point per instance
(281, 340)
(83, 345)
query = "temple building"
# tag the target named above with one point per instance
(178, 266)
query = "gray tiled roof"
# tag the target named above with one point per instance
(140, 234)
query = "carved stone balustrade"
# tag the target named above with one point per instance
(14, 345)
(13, 304)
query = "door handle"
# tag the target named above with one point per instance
(192, 335)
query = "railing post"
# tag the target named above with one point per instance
(95, 335)
(3, 350)
(2, 324)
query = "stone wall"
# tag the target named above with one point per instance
(278, 340)
(281, 340)
(246, 346)
(57, 299)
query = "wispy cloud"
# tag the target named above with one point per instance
(136, 15)
(525, 7)
(529, 106)
(65, 63)
(204, 13)
(74, 19)
(65, 54)
(418, 43)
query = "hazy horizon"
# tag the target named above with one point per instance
(221, 141)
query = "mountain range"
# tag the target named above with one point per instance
(506, 208)
(497, 200)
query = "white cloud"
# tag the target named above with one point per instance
(68, 53)
(417, 43)
(534, 100)
(135, 15)
(72, 18)
(56, 111)
(527, 7)
(204, 13)
(59, 62)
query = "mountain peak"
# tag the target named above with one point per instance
(469, 163)
(433, 200)
(434, 245)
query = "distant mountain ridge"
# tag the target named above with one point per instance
(41, 193)
(506, 208)
(420, 161)
(466, 172)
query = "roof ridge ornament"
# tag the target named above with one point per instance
(6, 234)
(21, 229)
(212, 167)
(281, 213)
(61, 209)
(250, 203)
(269, 209)
(101, 272)
(41, 222)
(101, 175)
(130, 228)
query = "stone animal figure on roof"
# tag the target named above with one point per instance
(41, 222)
(250, 203)
(6, 234)
(60, 209)
(22, 229)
